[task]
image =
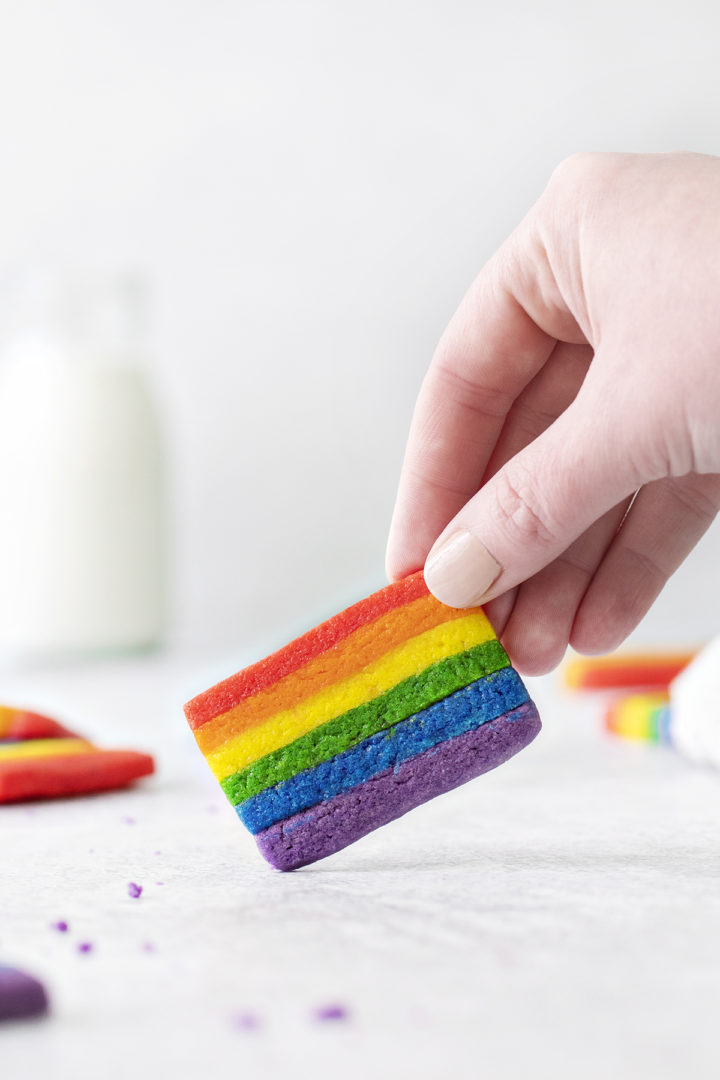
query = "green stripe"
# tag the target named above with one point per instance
(322, 743)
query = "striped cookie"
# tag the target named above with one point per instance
(21, 724)
(45, 768)
(395, 700)
(626, 670)
(640, 716)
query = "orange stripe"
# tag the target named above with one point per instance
(251, 680)
(7, 718)
(345, 659)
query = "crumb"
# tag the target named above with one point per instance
(21, 995)
(331, 1012)
(60, 925)
(134, 890)
(245, 1021)
(85, 947)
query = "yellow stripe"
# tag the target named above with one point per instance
(634, 715)
(342, 660)
(34, 748)
(409, 659)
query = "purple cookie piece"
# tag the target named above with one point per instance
(20, 995)
(332, 825)
(331, 1012)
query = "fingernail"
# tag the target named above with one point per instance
(461, 570)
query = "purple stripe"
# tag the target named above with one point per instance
(332, 825)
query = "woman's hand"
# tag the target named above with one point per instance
(564, 453)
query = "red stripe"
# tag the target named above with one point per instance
(230, 692)
(75, 774)
(634, 675)
(29, 725)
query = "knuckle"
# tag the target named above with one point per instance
(646, 577)
(576, 169)
(574, 164)
(697, 496)
(448, 382)
(588, 173)
(520, 508)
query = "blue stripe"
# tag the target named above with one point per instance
(476, 704)
(664, 725)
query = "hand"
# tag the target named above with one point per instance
(564, 453)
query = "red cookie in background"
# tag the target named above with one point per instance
(22, 724)
(626, 670)
(41, 759)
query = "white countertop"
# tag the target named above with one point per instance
(559, 917)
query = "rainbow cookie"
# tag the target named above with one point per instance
(40, 759)
(640, 716)
(625, 670)
(21, 995)
(393, 701)
(21, 724)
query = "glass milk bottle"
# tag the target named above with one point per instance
(81, 492)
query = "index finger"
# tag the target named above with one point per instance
(497, 341)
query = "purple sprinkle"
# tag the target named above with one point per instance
(148, 946)
(85, 947)
(245, 1021)
(60, 925)
(157, 852)
(331, 1012)
(134, 890)
(127, 820)
(159, 882)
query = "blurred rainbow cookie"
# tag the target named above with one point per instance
(626, 670)
(40, 759)
(22, 724)
(388, 704)
(640, 716)
(21, 995)
(686, 715)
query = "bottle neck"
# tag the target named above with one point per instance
(71, 318)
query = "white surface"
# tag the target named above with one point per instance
(312, 184)
(559, 918)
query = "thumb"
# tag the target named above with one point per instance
(533, 508)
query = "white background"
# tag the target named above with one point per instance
(311, 186)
